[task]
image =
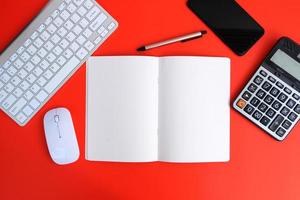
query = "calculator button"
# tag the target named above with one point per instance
(252, 88)
(266, 86)
(282, 97)
(265, 121)
(297, 97)
(258, 80)
(280, 85)
(246, 95)
(255, 101)
(249, 109)
(257, 115)
(286, 124)
(276, 123)
(241, 103)
(261, 94)
(291, 103)
(280, 132)
(271, 79)
(263, 107)
(276, 105)
(271, 113)
(274, 92)
(297, 109)
(285, 111)
(263, 73)
(269, 99)
(292, 116)
(287, 90)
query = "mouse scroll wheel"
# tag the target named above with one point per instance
(56, 118)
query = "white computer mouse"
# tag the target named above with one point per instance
(60, 136)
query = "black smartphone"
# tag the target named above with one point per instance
(230, 22)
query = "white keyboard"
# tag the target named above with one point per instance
(48, 52)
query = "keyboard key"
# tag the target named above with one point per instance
(24, 85)
(60, 76)
(280, 85)
(71, 36)
(265, 121)
(55, 39)
(35, 60)
(31, 50)
(249, 109)
(280, 132)
(54, 67)
(25, 57)
(61, 60)
(74, 46)
(12, 71)
(16, 80)
(261, 94)
(9, 87)
(101, 29)
(276, 123)
(62, 32)
(274, 92)
(111, 26)
(34, 103)
(34, 35)
(64, 43)
(41, 28)
(37, 71)
(44, 64)
(68, 53)
(7, 103)
(263, 107)
(81, 53)
(68, 25)
(41, 96)
(48, 21)
(6, 64)
(5, 78)
(3, 95)
(92, 13)
(57, 50)
(263, 73)
(41, 81)
(28, 95)
(29, 66)
(78, 2)
(88, 4)
(48, 74)
(276, 105)
(45, 35)
(28, 111)
(58, 22)
(21, 117)
(18, 92)
(296, 96)
(266, 86)
(257, 115)
(84, 23)
(241, 103)
(81, 40)
(75, 18)
(282, 97)
(77, 30)
(104, 33)
(51, 57)
(292, 116)
(246, 95)
(97, 40)
(297, 109)
(38, 43)
(89, 46)
(62, 6)
(286, 124)
(55, 14)
(81, 11)
(18, 64)
(291, 103)
(287, 90)
(87, 33)
(31, 78)
(71, 8)
(65, 15)
(18, 106)
(285, 111)
(42, 52)
(98, 21)
(270, 78)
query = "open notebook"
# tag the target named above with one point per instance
(143, 109)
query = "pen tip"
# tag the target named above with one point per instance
(141, 49)
(203, 32)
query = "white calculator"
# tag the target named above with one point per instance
(271, 99)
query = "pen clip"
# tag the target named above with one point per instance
(186, 40)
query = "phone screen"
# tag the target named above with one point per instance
(230, 22)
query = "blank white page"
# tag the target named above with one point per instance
(194, 123)
(122, 109)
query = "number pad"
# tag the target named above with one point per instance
(270, 103)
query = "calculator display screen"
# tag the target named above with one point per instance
(287, 63)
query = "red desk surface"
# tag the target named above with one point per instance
(259, 168)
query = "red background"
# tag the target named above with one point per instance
(259, 168)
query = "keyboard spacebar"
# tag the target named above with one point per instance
(62, 74)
